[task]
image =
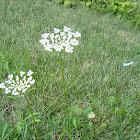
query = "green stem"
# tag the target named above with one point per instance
(65, 94)
(32, 117)
(94, 129)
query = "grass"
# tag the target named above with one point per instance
(93, 73)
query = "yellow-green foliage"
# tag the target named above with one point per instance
(129, 8)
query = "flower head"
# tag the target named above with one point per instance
(29, 73)
(45, 35)
(18, 84)
(10, 76)
(22, 73)
(2, 85)
(60, 40)
(77, 34)
(91, 115)
(56, 31)
(66, 29)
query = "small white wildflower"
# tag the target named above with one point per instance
(77, 34)
(8, 81)
(64, 37)
(17, 79)
(10, 76)
(7, 90)
(57, 48)
(21, 82)
(70, 34)
(56, 31)
(28, 86)
(91, 115)
(13, 82)
(32, 82)
(12, 87)
(19, 88)
(43, 41)
(48, 47)
(62, 33)
(69, 49)
(45, 35)
(15, 92)
(2, 85)
(24, 90)
(24, 79)
(52, 37)
(74, 42)
(56, 37)
(22, 73)
(29, 79)
(29, 73)
(66, 29)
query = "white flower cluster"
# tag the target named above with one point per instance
(60, 40)
(18, 84)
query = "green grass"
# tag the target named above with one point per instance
(93, 73)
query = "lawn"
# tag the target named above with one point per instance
(94, 76)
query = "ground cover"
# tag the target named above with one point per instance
(93, 73)
(129, 9)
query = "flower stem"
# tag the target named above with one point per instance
(32, 117)
(94, 129)
(65, 94)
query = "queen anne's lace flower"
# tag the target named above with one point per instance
(18, 84)
(60, 40)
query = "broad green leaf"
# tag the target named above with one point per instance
(67, 3)
(103, 126)
(36, 120)
(29, 116)
(139, 93)
(88, 3)
(121, 10)
(138, 21)
(74, 121)
(19, 127)
(128, 3)
(129, 10)
(76, 110)
(114, 8)
(82, 3)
